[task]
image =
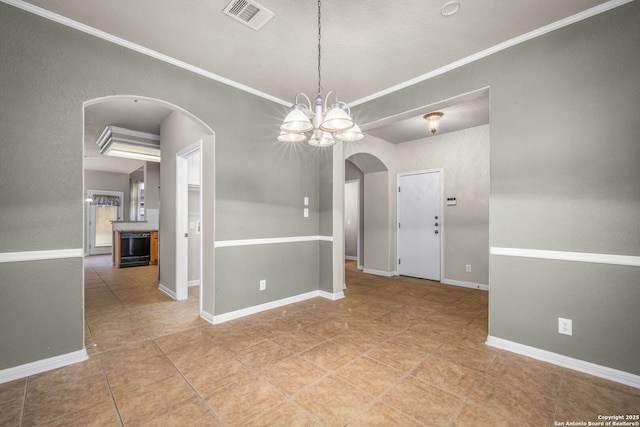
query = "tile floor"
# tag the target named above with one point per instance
(395, 351)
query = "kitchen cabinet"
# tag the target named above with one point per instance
(153, 252)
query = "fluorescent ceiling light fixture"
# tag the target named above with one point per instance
(120, 142)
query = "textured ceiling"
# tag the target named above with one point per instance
(367, 46)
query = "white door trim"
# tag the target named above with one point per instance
(182, 220)
(90, 221)
(442, 219)
(358, 236)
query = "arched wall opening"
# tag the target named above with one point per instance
(374, 211)
(178, 129)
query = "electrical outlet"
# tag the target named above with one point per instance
(263, 285)
(564, 326)
(467, 268)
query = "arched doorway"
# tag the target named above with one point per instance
(178, 129)
(375, 211)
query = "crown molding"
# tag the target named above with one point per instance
(497, 48)
(140, 49)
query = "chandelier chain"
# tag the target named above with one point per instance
(319, 49)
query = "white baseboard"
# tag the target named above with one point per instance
(206, 316)
(43, 365)
(465, 284)
(611, 374)
(329, 295)
(167, 291)
(270, 305)
(194, 282)
(379, 272)
(351, 258)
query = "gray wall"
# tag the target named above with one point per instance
(464, 158)
(377, 229)
(351, 218)
(564, 176)
(152, 185)
(351, 171)
(48, 72)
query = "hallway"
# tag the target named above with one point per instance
(395, 351)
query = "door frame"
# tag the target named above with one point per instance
(182, 221)
(442, 218)
(90, 220)
(358, 212)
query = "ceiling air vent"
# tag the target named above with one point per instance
(249, 13)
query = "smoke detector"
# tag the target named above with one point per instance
(249, 13)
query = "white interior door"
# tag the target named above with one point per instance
(183, 177)
(419, 224)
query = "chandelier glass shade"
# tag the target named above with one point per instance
(328, 122)
(433, 121)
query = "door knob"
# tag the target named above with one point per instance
(186, 234)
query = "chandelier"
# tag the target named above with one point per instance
(328, 124)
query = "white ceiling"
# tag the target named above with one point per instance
(368, 47)
(129, 113)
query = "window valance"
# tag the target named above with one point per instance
(105, 200)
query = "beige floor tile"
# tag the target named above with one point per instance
(114, 338)
(419, 346)
(357, 340)
(65, 399)
(262, 355)
(244, 400)
(470, 358)
(11, 402)
(298, 340)
(416, 342)
(46, 381)
(215, 372)
(531, 375)
(139, 373)
(100, 415)
(397, 356)
(194, 413)
(330, 355)
(286, 414)
(333, 401)
(476, 415)
(514, 403)
(423, 402)
(582, 398)
(381, 415)
(293, 374)
(447, 376)
(138, 406)
(121, 357)
(238, 340)
(369, 376)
